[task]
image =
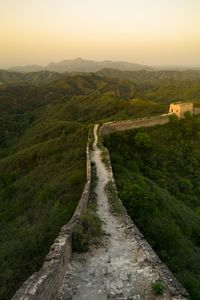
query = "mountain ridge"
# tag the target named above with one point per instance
(80, 65)
(145, 76)
(86, 65)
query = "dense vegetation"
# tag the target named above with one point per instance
(161, 86)
(44, 120)
(158, 178)
(32, 77)
(43, 134)
(41, 180)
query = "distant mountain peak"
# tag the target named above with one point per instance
(82, 65)
(78, 59)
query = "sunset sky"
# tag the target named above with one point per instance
(144, 31)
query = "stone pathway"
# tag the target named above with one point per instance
(119, 269)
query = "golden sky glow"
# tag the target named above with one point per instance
(142, 31)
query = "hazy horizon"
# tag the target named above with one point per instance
(102, 60)
(156, 32)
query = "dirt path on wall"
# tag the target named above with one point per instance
(118, 269)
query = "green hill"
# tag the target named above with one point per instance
(161, 86)
(41, 77)
(42, 174)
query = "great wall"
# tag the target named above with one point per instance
(124, 267)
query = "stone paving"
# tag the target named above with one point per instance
(119, 268)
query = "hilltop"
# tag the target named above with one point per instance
(157, 86)
(41, 77)
(85, 66)
(81, 65)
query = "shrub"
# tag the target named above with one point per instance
(173, 119)
(115, 205)
(158, 287)
(79, 239)
(93, 195)
(142, 139)
(87, 231)
(104, 157)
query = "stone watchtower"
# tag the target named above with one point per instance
(180, 108)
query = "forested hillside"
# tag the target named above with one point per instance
(158, 178)
(42, 174)
(32, 77)
(161, 86)
(43, 135)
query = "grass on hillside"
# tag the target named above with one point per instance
(40, 186)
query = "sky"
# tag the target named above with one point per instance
(152, 32)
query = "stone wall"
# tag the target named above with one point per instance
(176, 289)
(111, 127)
(44, 285)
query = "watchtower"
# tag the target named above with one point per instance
(180, 108)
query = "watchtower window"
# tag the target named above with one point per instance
(177, 111)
